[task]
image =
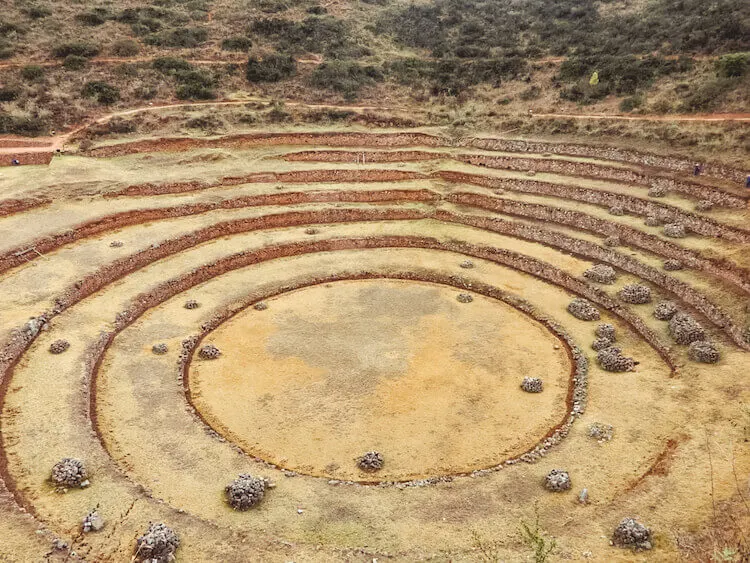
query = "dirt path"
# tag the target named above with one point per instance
(12, 145)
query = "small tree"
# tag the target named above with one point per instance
(594, 80)
(533, 536)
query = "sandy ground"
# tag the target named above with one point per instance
(328, 372)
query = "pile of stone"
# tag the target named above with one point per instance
(59, 346)
(704, 205)
(652, 221)
(631, 534)
(704, 351)
(665, 310)
(614, 240)
(467, 264)
(583, 309)
(371, 461)
(245, 492)
(601, 432)
(635, 294)
(260, 306)
(192, 304)
(160, 349)
(657, 191)
(557, 481)
(70, 472)
(532, 385)
(464, 298)
(601, 343)
(675, 230)
(611, 359)
(116, 244)
(157, 545)
(616, 210)
(209, 352)
(685, 330)
(672, 265)
(605, 330)
(601, 273)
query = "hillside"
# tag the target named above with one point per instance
(63, 61)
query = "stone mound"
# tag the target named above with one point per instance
(704, 205)
(59, 346)
(657, 191)
(672, 265)
(70, 472)
(606, 330)
(652, 221)
(704, 351)
(611, 359)
(614, 240)
(532, 385)
(245, 492)
(685, 330)
(192, 304)
(160, 348)
(631, 534)
(464, 298)
(371, 461)
(601, 344)
(616, 210)
(209, 352)
(635, 294)
(601, 273)
(157, 545)
(557, 481)
(665, 310)
(602, 432)
(675, 230)
(583, 309)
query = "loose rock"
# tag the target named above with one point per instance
(93, 522)
(467, 264)
(160, 348)
(260, 306)
(464, 298)
(192, 304)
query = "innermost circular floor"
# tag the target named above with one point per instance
(332, 371)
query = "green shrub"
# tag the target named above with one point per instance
(195, 85)
(125, 48)
(346, 77)
(36, 12)
(236, 44)
(95, 17)
(185, 37)
(78, 48)
(171, 65)
(706, 96)
(21, 125)
(270, 68)
(733, 65)
(630, 103)
(75, 62)
(101, 91)
(32, 73)
(9, 93)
